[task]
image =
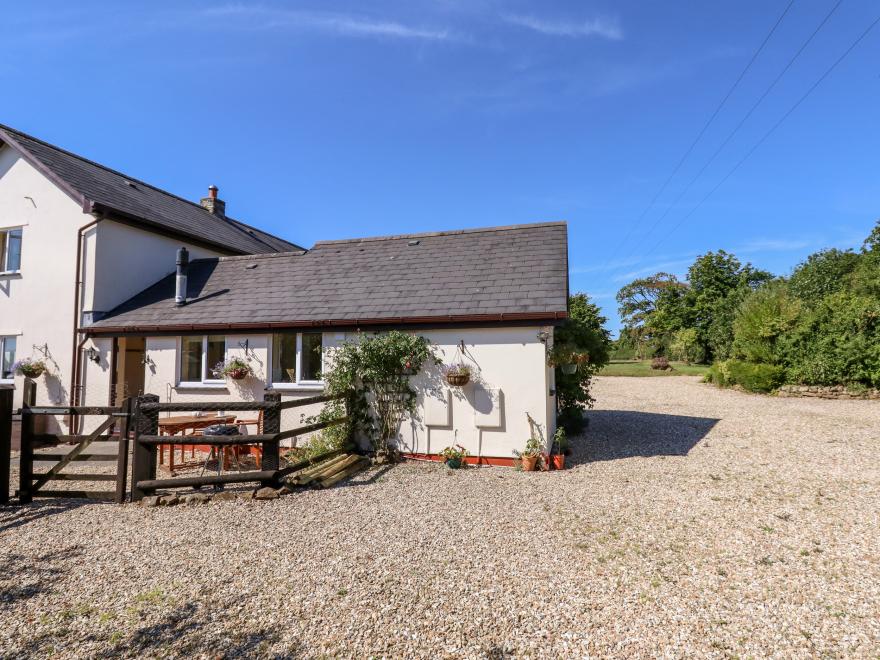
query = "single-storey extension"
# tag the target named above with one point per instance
(489, 297)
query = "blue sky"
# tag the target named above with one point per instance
(323, 120)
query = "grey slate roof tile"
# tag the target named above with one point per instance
(139, 201)
(411, 276)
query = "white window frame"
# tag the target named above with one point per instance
(4, 257)
(7, 381)
(206, 370)
(300, 384)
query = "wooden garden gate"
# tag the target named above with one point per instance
(32, 484)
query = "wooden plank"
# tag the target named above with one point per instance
(82, 457)
(308, 462)
(350, 471)
(210, 480)
(5, 442)
(212, 406)
(206, 439)
(74, 477)
(329, 469)
(270, 457)
(307, 401)
(310, 428)
(77, 410)
(26, 458)
(76, 451)
(107, 495)
(52, 440)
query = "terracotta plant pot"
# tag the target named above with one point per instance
(458, 380)
(529, 463)
(557, 462)
(238, 374)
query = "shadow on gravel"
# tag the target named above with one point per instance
(13, 516)
(614, 434)
(24, 577)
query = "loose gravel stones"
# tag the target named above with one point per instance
(694, 522)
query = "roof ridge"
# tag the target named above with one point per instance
(231, 221)
(251, 257)
(450, 232)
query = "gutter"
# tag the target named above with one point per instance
(330, 323)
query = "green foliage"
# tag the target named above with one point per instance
(583, 332)
(749, 376)
(764, 319)
(373, 373)
(685, 347)
(822, 274)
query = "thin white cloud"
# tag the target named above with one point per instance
(268, 18)
(595, 27)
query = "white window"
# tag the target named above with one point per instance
(10, 250)
(198, 358)
(297, 358)
(7, 359)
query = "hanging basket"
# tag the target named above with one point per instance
(238, 374)
(458, 380)
(569, 368)
(31, 371)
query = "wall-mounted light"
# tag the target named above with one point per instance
(93, 354)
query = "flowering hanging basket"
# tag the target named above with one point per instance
(458, 380)
(30, 368)
(238, 374)
(235, 368)
(569, 368)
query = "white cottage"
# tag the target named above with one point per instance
(489, 297)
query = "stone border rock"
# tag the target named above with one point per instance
(827, 392)
(194, 499)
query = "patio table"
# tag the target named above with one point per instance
(180, 424)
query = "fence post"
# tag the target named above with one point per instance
(5, 442)
(143, 459)
(271, 424)
(122, 456)
(26, 455)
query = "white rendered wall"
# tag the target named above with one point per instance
(510, 363)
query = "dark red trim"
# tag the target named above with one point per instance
(513, 317)
(500, 461)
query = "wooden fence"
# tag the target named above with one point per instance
(147, 439)
(31, 484)
(138, 421)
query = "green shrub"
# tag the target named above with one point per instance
(571, 419)
(750, 376)
(762, 321)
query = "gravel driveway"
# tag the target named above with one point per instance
(696, 522)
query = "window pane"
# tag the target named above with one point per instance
(191, 359)
(13, 250)
(216, 354)
(8, 357)
(284, 357)
(311, 356)
(3, 237)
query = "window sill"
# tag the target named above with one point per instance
(10, 274)
(298, 387)
(202, 386)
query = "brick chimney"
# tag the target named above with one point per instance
(213, 203)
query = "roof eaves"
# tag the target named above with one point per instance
(454, 232)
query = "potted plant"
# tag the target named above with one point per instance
(30, 368)
(235, 368)
(457, 374)
(455, 456)
(567, 359)
(561, 449)
(529, 456)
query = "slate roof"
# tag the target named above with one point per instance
(476, 275)
(98, 188)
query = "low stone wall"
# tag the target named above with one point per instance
(827, 392)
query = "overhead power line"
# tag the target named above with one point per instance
(745, 118)
(702, 131)
(768, 133)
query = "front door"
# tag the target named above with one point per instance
(129, 377)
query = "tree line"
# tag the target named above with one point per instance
(818, 326)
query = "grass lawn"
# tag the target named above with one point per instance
(643, 368)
